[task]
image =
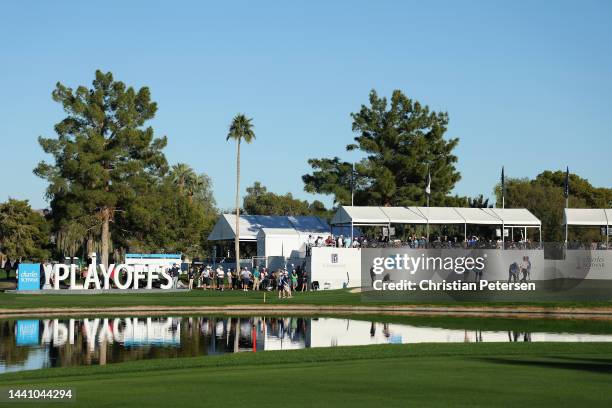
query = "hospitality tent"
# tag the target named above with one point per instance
(590, 217)
(385, 216)
(250, 225)
(516, 218)
(273, 235)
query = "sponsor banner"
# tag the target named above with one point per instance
(28, 277)
(27, 332)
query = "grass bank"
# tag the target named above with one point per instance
(198, 298)
(494, 374)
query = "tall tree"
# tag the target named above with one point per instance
(24, 233)
(103, 154)
(331, 176)
(240, 129)
(400, 139)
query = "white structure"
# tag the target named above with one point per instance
(275, 236)
(285, 242)
(385, 216)
(250, 225)
(589, 217)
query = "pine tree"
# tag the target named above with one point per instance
(400, 139)
(104, 156)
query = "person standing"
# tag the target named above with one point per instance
(280, 285)
(245, 278)
(294, 280)
(191, 276)
(203, 277)
(175, 275)
(230, 278)
(256, 276)
(220, 277)
(287, 286)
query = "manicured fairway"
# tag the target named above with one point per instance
(545, 374)
(217, 298)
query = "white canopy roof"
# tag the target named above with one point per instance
(225, 228)
(359, 215)
(434, 215)
(403, 215)
(478, 216)
(588, 216)
(515, 216)
(440, 215)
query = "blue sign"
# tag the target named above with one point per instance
(27, 332)
(28, 277)
(153, 256)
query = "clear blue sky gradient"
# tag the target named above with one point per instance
(527, 84)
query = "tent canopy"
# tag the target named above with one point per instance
(477, 216)
(250, 225)
(521, 217)
(440, 215)
(360, 216)
(434, 215)
(403, 215)
(587, 216)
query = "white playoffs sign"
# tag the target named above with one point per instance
(122, 276)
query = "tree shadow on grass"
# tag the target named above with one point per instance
(594, 365)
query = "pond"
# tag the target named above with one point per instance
(31, 344)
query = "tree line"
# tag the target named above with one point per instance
(111, 189)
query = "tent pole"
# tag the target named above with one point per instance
(540, 228)
(465, 232)
(566, 205)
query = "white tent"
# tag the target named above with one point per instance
(595, 217)
(352, 215)
(225, 228)
(440, 215)
(587, 216)
(403, 215)
(385, 216)
(517, 217)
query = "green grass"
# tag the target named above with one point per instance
(493, 374)
(216, 298)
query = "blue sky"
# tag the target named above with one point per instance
(526, 84)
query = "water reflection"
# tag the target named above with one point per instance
(33, 344)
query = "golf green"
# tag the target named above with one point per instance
(495, 374)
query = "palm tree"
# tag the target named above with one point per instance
(181, 174)
(240, 129)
